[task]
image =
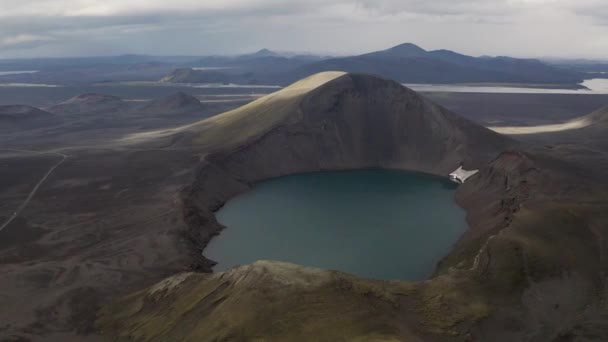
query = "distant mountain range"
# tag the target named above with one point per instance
(406, 63)
(593, 68)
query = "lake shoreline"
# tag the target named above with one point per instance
(343, 211)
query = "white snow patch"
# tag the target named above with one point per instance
(460, 175)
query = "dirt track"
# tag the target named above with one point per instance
(36, 187)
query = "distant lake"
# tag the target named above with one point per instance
(188, 85)
(19, 72)
(28, 85)
(596, 86)
(371, 223)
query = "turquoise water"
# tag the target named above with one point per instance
(372, 223)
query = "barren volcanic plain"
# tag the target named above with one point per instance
(118, 205)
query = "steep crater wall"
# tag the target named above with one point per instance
(352, 122)
(531, 267)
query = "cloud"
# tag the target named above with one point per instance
(22, 40)
(533, 27)
(95, 8)
(594, 9)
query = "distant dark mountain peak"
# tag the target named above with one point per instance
(405, 63)
(23, 117)
(408, 63)
(22, 112)
(446, 52)
(89, 103)
(177, 75)
(404, 50)
(93, 98)
(263, 53)
(177, 102)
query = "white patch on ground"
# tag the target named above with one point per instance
(211, 68)
(19, 72)
(520, 130)
(230, 85)
(28, 85)
(461, 175)
(597, 85)
(594, 86)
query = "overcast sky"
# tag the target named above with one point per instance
(534, 28)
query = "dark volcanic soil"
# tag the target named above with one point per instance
(117, 220)
(508, 277)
